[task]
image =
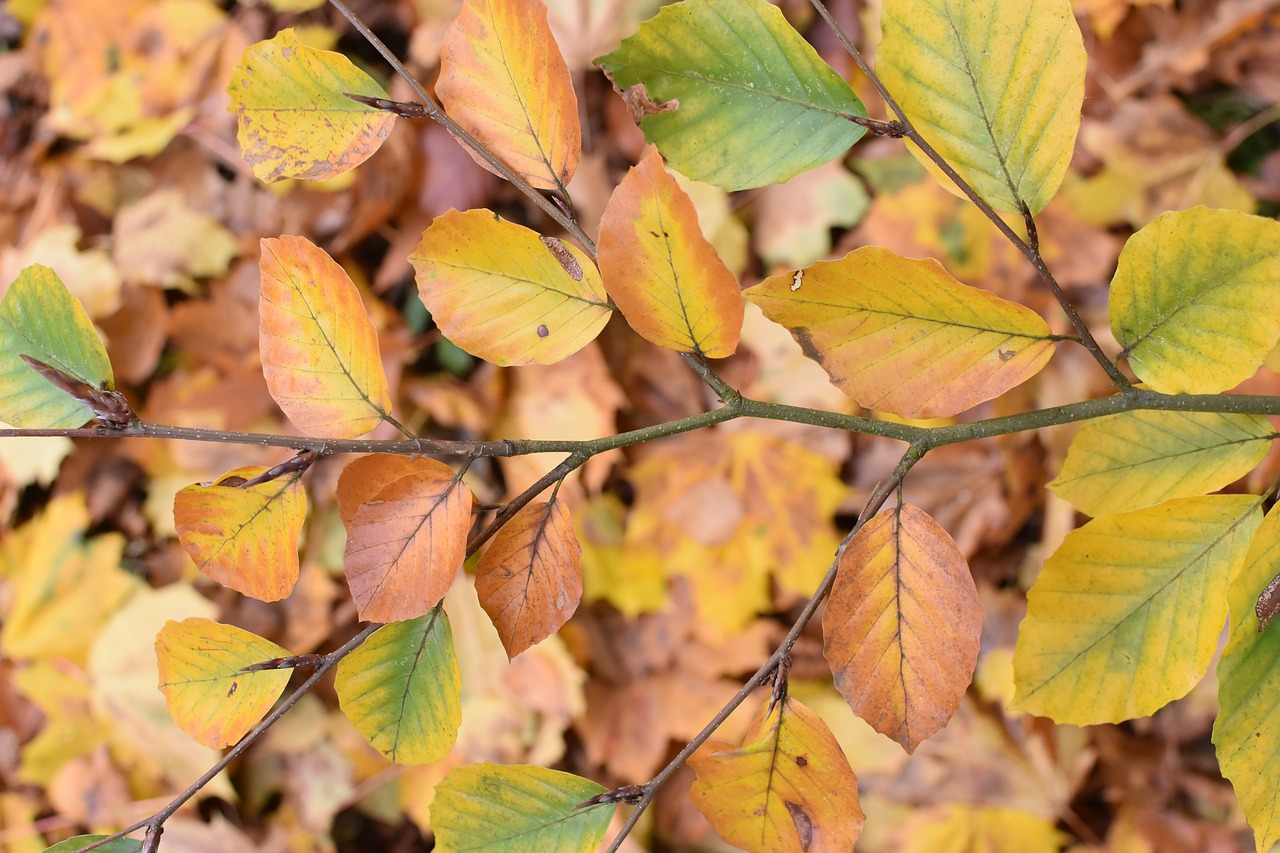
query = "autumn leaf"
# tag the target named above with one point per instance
(902, 625)
(401, 689)
(407, 542)
(665, 277)
(1138, 459)
(502, 78)
(319, 349)
(244, 538)
(903, 336)
(962, 828)
(40, 318)
(788, 787)
(530, 579)
(753, 102)
(502, 293)
(79, 842)
(202, 676)
(293, 116)
(995, 86)
(1126, 614)
(1195, 300)
(526, 808)
(364, 477)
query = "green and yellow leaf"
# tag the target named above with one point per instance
(402, 689)
(903, 336)
(502, 78)
(293, 117)
(1195, 300)
(202, 677)
(319, 349)
(732, 95)
(245, 539)
(40, 318)
(71, 845)
(995, 86)
(520, 807)
(1138, 459)
(664, 276)
(902, 625)
(788, 788)
(1126, 614)
(504, 294)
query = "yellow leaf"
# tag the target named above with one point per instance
(201, 675)
(903, 336)
(293, 117)
(163, 241)
(71, 729)
(787, 788)
(1195, 300)
(903, 625)
(407, 542)
(666, 279)
(319, 349)
(530, 578)
(980, 829)
(505, 295)
(995, 86)
(503, 79)
(632, 579)
(244, 538)
(1137, 459)
(1126, 614)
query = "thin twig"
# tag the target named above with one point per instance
(877, 499)
(1031, 254)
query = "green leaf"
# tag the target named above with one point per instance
(1126, 614)
(1245, 734)
(522, 809)
(1138, 459)
(120, 845)
(995, 86)
(1195, 300)
(292, 116)
(402, 689)
(748, 101)
(40, 318)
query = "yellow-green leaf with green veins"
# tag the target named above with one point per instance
(293, 117)
(245, 539)
(788, 786)
(502, 78)
(732, 95)
(1245, 734)
(402, 689)
(517, 808)
(903, 336)
(40, 318)
(202, 678)
(1195, 300)
(73, 845)
(1138, 459)
(1126, 614)
(995, 86)
(506, 295)
(319, 350)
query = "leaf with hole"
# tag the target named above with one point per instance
(737, 98)
(202, 677)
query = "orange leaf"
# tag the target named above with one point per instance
(319, 349)
(503, 293)
(903, 336)
(503, 79)
(787, 788)
(245, 539)
(530, 579)
(902, 625)
(407, 542)
(365, 476)
(664, 276)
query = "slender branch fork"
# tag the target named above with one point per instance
(919, 439)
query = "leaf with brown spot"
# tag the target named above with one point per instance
(530, 579)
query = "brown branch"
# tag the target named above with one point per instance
(1029, 252)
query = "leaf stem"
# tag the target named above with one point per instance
(1030, 252)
